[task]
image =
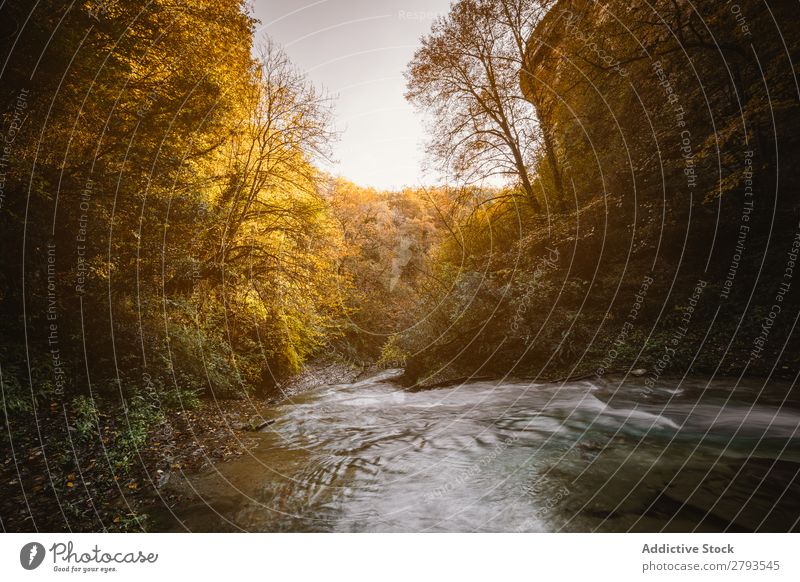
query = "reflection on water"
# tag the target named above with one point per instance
(512, 456)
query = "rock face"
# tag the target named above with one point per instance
(658, 131)
(628, 94)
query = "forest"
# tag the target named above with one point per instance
(621, 197)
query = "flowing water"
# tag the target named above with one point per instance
(512, 456)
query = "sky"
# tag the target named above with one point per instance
(357, 51)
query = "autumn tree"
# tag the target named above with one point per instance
(387, 239)
(174, 175)
(466, 74)
(276, 243)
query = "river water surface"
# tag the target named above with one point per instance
(512, 456)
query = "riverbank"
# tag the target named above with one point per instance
(63, 471)
(778, 365)
(55, 480)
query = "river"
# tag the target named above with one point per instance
(512, 456)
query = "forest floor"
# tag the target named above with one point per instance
(75, 484)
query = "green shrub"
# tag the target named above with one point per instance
(85, 420)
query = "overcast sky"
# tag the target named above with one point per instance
(357, 50)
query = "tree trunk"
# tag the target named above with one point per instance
(552, 160)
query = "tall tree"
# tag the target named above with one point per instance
(467, 75)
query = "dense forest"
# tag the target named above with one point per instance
(621, 195)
